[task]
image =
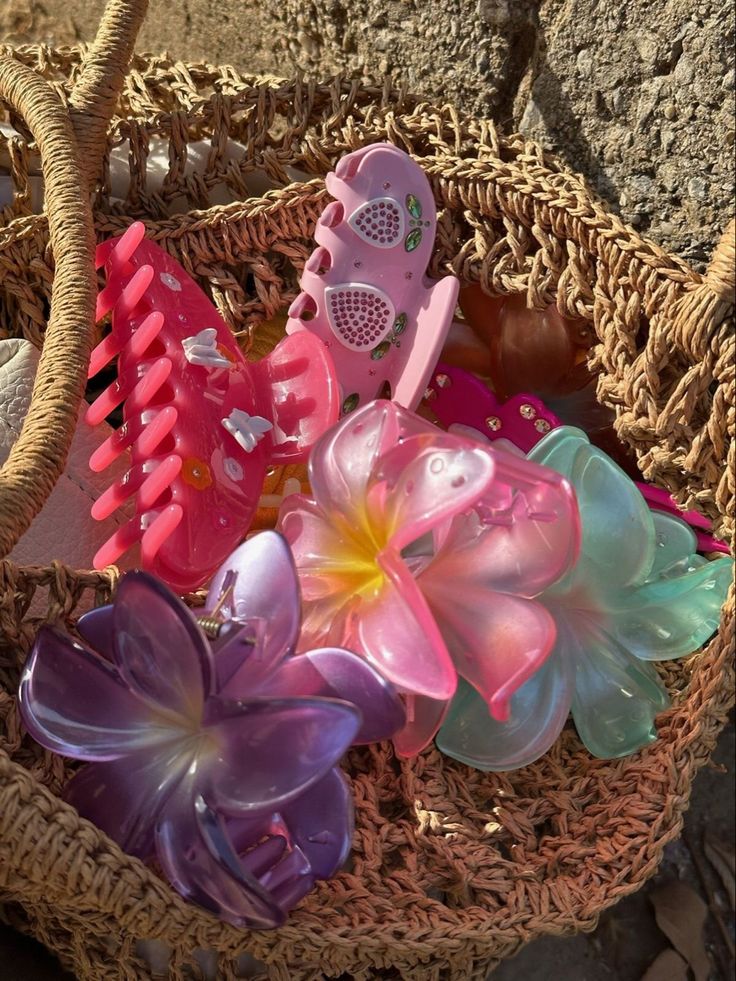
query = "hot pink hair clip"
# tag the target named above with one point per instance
(458, 398)
(364, 289)
(201, 423)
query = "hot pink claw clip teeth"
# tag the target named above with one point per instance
(365, 293)
(461, 400)
(201, 423)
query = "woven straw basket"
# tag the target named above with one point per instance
(452, 868)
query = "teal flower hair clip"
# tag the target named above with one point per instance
(639, 593)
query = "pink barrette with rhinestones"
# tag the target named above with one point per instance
(365, 294)
(201, 423)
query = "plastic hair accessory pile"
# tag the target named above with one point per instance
(218, 758)
(424, 551)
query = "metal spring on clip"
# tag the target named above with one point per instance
(211, 625)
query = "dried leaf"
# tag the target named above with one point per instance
(680, 915)
(669, 966)
(723, 860)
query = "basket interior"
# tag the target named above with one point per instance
(438, 846)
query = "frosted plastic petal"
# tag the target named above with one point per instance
(616, 696)
(95, 629)
(537, 715)
(74, 703)
(124, 798)
(398, 634)
(423, 718)
(426, 480)
(197, 856)
(497, 641)
(336, 673)
(327, 555)
(159, 648)
(675, 541)
(672, 617)
(618, 543)
(268, 750)
(261, 582)
(341, 462)
(321, 822)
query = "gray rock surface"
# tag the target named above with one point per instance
(636, 95)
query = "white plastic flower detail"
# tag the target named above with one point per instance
(247, 430)
(201, 349)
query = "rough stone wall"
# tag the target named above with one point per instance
(638, 95)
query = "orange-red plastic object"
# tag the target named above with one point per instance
(528, 350)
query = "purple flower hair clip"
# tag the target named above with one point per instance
(208, 746)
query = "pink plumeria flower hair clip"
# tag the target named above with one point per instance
(423, 552)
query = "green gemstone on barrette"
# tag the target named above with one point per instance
(400, 324)
(381, 351)
(413, 206)
(413, 239)
(350, 403)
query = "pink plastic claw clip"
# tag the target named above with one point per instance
(364, 289)
(201, 423)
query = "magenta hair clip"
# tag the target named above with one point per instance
(660, 500)
(202, 424)
(207, 745)
(365, 293)
(460, 399)
(457, 397)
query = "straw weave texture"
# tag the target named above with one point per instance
(452, 869)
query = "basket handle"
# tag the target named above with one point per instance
(95, 94)
(702, 310)
(38, 456)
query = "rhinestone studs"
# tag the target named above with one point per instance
(494, 423)
(542, 426)
(527, 411)
(381, 351)
(350, 403)
(443, 381)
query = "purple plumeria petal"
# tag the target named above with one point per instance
(95, 629)
(261, 586)
(336, 673)
(269, 750)
(321, 823)
(197, 856)
(159, 648)
(125, 797)
(74, 703)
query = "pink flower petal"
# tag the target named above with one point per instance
(424, 716)
(497, 641)
(325, 554)
(398, 633)
(425, 480)
(341, 462)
